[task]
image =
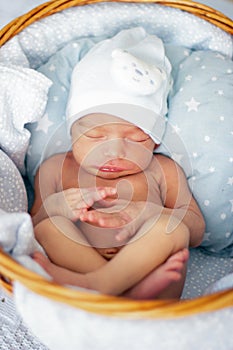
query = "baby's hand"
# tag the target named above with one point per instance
(126, 217)
(74, 201)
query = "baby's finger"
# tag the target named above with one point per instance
(126, 233)
(91, 196)
(77, 213)
(103, 219)
(123, 235)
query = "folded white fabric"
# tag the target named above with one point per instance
(13, 195)
(23, 98)
(17, 239)
(16, 233)
(127, 76)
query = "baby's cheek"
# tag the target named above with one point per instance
(141, 157)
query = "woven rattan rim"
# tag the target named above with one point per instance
(111, 306)
(17, 25)
(108, 305)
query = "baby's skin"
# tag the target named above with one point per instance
(150, 287)
(145, 251)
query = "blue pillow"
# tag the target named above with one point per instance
(200, 137)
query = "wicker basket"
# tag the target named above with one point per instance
(11, 271)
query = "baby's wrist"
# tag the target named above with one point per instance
(49, 206)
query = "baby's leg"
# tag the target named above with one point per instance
(136, 260)
(66, 246)
(153, 286)
(60, 274)
(140, 257)
(165, 281)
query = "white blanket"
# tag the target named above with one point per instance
(23, 98)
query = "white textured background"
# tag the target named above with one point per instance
(14, 8)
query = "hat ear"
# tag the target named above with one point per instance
(134, 75)
(162, 73)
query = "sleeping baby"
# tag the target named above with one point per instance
(112, 215)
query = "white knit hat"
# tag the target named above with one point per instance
(127, 76)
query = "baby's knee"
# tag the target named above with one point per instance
(174, 228)
(47, 226)
(172, 223)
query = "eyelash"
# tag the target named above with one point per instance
(94, 137)
(126, 139)
(137, 140)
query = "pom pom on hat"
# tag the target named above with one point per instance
(127, 76)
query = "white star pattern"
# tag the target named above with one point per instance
(220, 92)
(220, 56)
(29, 152)
(188, 77)
(195, 155)
(192, 105)
(44, 124)
(207, 236)
(177, 157)
(231, 159)
(212, 169)
(223, 216)
(214, 78)
(221, 118)
(231, 201)
(227, 234)
(58, 143)
(52, 68)
(175, 129)
(230, 181)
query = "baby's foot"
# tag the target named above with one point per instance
(160, 278)
(58, 274)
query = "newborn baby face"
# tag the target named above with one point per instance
(109, 147)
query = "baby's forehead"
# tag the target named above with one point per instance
(100, 120)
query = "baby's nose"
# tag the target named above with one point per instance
(115, 149)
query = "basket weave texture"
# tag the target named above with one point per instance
(11, 271)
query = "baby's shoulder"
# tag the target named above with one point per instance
(54, 161)
(163, 160)
(166, 164)
(55, 165)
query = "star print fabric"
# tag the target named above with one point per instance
(200, 138)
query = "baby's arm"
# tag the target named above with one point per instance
(179, 200)
(178, 203)
(124, 216)
(51, 200)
